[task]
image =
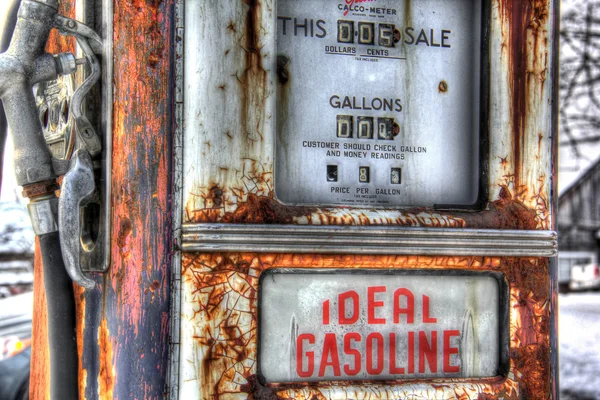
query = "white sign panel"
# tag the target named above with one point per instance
(371, 325)
(378, 102)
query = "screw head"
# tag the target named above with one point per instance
(443, 87)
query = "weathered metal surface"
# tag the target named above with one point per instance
(230, 59)
(39, 387)
(132, 330)
(220, 336)
(123, 323)
(228, 159)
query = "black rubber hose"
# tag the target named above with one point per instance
(62, 341)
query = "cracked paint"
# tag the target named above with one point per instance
(220, 310)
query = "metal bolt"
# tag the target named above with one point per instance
(71, 24)
(443, 87)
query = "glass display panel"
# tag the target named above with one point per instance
(378, 102)
(365, 325)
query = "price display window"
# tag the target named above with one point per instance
(378, 102)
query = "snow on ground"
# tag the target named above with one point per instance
(16, 234)
(579, 341)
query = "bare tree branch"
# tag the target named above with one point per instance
(580, 76)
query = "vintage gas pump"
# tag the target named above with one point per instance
(315, 199)
(367, 199)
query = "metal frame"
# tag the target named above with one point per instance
(174, 351)
(367, 240)
(86, 11)
(503, 303)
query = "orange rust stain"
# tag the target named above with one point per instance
(254, 79)
(508, 212)
(40, 357)
(542, 206)
(79, 293)
(505, 213)
(106, 374)
(124, 232)
(58, 43)
(523, 29)
(155, 285)
(224, 289)
(141, 164)
(443, 87)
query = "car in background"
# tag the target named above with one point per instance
(585, 277)
(15, 346)
(569, 259)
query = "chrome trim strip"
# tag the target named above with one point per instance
(174, 370)
(367, 240)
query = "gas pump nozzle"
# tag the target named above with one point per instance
(24, 64)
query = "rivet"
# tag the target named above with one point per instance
(443, 87)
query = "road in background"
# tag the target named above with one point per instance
(579, 336)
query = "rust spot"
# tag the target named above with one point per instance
(155, 285)
(504, 213)
(40, 188)
(264, 210)
(258, 391)
(125, 230)
(396, 129)
(231, 27)
(153, 60)
(443, 87)
(282, 72)
(106, 373)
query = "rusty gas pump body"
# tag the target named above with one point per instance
(203, 211)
